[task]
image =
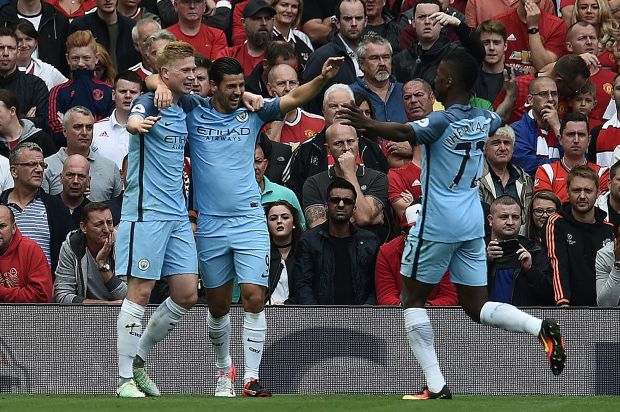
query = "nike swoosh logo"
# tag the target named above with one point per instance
(168, 123)
(265, 276)
(256, 341)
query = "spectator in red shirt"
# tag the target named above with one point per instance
(598, 14)
(404, 183)
(584, 103)
(298, 125)
(25, 275)
(574, 138)
(258, 24)
(206, 40)
(535, 38)
(140, 32)
(479, 11)
(582, 42)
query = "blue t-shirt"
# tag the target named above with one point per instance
(452, 164)
(155, 165)
(222, 152)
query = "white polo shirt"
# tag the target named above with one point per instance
(110, 139)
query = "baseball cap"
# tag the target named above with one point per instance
(254, 6)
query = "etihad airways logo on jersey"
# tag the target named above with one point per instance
(176, 142)
(223, 135)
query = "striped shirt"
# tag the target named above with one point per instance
(32, 222)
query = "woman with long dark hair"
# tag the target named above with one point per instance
(285, 231)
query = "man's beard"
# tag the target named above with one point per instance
(259, 39)
(382, 76)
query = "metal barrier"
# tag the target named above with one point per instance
(62, 349)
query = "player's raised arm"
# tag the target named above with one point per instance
(396, 132)
(306, 92)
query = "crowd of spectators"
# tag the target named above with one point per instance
(338, 203)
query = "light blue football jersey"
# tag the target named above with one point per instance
(222, 153)
(155, 166)
(452, 164)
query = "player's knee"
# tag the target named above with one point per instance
(187, 300)
(253, 302)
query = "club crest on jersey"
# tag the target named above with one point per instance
(97, 94)
(242, 117)
(144, 264)
(138, 109)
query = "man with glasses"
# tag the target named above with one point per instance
(106, 178)
(335, 260)
(536, 132)
(574, 138)
(207, 41)
(257, 22)
(519, 275)
(39, 216)
(569, 73)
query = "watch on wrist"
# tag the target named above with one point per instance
(105, 268)
(533, 30)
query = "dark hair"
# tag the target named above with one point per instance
(92, 207)
(361, 98)
(297, 229)
(222, 67)
(531, 231)
(339, 183)
(9, 99)
(129, 76)
(464, 67)
(339, 3)
(504, 200)
(202, 61)
(613, 169)
(26, 27)
(570, 66)
(279, 48)
(436, 2)
(8, 32)
(573, 117)
(265, 144)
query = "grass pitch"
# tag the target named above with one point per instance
(314, 403)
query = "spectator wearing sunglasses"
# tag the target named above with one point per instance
(336, 259)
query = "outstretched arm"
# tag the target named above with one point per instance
(306, 92)
(396, 132)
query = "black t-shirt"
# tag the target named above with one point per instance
(318, 9)
(343, 281)
(488, 85)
